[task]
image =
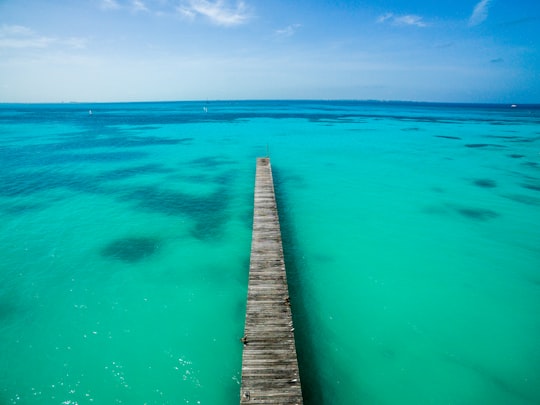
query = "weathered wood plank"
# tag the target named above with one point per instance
(269, 363)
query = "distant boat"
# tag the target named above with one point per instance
(513, 106)
(205, 109)
(90, 112)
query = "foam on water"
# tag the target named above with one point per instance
(411, 234)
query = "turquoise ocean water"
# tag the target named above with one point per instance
(411, 233)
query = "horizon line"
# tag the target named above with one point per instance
(359, 100)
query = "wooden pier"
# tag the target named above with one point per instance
(269, 364)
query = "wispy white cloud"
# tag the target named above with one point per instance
(410, 20)
(480, 13)
(288, 31)
(138, 5)
(109, 5)
(187, 12)
(385, 17)
(403, 20)
(20, 37)
(75, 42)
(134, 6)
(6, 30)
(219, 12)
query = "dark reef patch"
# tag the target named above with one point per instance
(501, 136)
(484, 145)
(118, 142)
(450, 209)
(523, 199)
(27, 183)
(209, 227)
(120, 174)
(208, 211)
(530, 186)
(65, 151)
(359, 130)
(222, 179)
(210, 162)
(522, 140)
(132, 249)
(100, 157)
(144, 128)
(485, 183)
(35, 157)
(479, 214)
(23, 183)
(16, 209)
(411, 129)
(448, 137)
(178, 203)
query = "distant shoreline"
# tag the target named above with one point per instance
(520, 106)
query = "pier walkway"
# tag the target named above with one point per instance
(269, 364)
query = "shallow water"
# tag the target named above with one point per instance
(411, 232)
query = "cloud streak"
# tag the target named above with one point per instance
(226, 13)
(20, 37)
(109, 5)
(287, 31)
(218, 12)
(134, 6)
(402, 20)
(138, 6)
(480, 13)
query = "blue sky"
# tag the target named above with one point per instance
(131, 50)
